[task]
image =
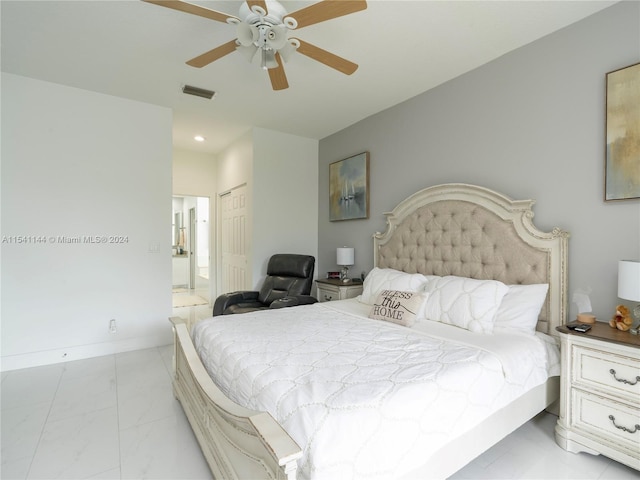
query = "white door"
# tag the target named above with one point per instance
(233, 239)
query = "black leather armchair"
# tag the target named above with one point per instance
(288, 283)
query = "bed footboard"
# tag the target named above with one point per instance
(237, 443)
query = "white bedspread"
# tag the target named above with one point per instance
(366, 398)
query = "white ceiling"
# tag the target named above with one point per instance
(138, 50)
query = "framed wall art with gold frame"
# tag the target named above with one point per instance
(622, 156)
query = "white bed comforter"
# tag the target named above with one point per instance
(365, 398)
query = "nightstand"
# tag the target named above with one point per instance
(334, 289)
(600, 393)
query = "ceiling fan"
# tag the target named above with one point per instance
(262, 27)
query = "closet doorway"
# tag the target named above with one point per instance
(234, 246)
(191, 259)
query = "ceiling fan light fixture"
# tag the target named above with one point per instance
(248, 51)
(276, 37)
(247, 34)
(198, 92)
(264, 25)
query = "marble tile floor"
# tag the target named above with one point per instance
(531, 453)
(115, 417)
(107, 417)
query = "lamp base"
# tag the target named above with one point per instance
(635, 327)
(344, 274)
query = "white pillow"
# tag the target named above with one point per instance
(520, 309)
(398, 307)
(464, 302)
(380, 279)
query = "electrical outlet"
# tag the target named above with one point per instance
(112, 325)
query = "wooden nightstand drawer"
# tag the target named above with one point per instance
(326, 295)
(615, 422)
(329, 289)
(608, 372)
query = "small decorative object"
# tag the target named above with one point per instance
(349, 188)
(333, 275)
(345, 258)
(622, 319)
(622, 164)
(629, 285)
(586, 318)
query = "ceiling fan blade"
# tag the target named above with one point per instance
(193, 9)
(277, 75)
(326, 10)
(329, 59)
(213, 55)
(260, 3)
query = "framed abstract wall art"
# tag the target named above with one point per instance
(349, 188)
(622, 156)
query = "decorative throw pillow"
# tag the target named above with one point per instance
(520, 309)
(397, 306)
(464, 302)
(380, 279)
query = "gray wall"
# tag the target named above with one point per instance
(530, 125)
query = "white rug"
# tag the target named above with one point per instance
(188, 301)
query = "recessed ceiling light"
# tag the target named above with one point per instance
(199, 138)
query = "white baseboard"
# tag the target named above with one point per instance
(63, 355)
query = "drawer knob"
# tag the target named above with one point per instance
(622, 380)
(636, 427)
(328, 298)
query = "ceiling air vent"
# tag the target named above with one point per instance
(198, 92)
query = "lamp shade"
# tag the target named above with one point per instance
(629, 280)
(345, 256)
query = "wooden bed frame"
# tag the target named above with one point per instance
(452, 229)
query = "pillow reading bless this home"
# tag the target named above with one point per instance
(397, 307)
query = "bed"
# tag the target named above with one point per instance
(443, 239)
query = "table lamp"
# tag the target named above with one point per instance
(345, 258)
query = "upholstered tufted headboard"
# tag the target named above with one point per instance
(471, 231)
